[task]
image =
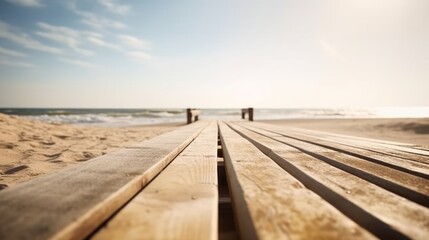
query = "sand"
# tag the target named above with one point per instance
(405, 130)
(29, 149)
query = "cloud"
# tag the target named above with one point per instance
(83, 51)
(99, 41)
(26, 3)
(94, 20)
(99, 22)
(79, 63)
(137, 55)
(16, 63)
(133, 41)
(6, 32)
(114, 7)
(64, 35)
(141, 56)
(11, 53)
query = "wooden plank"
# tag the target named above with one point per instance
(371, 140)
(401, 164)
(417, 168)
(396, 149)
(71, 203)
(388, 152)
(405, 149)
(385, 214)
(409, 186)
(180, 203)
(399, 149)
(270, 204)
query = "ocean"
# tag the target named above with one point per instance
(132, 117)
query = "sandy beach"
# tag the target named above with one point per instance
(29, 148)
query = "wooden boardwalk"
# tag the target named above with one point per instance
(231, 180)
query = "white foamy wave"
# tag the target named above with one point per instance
(103, 119)
(127, 117)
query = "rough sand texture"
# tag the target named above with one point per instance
(407, 130)
(29, 149)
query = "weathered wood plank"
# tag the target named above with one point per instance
(71, 203)
(271, 204)
(398, 149)
(180, 203)
(409, 152)
(382, 212)
(409, 186)
(411, 167)
(371, 140)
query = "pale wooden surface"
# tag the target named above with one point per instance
(402, 164)
(270, 204)
(385, 209)
(407, 185)
(71, 203)
(180, 203)
(404, 150)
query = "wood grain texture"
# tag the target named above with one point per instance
(71, 203)
(270, 204)
(408, 219)
(402, 164)
(180, 203)
(407, 185)
(404, 150)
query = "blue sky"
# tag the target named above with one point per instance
(225, 53)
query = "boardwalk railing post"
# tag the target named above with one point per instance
(248, 111)
(188, 116)
(191, 115)
(243, 112)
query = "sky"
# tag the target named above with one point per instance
(214, 54)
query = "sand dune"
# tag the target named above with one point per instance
(29, 149)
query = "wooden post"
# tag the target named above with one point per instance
(244, 111)
(192, 115)
(188, 116)
(250, 111)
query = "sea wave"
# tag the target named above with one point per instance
(119, 117)
(103, 119)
